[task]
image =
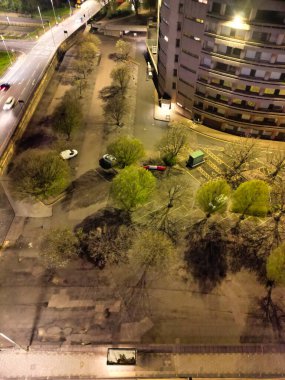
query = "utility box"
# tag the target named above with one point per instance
(196, 158)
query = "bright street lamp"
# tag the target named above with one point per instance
(2, 38)
(53, 11)
(41, 18)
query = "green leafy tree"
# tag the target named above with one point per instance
(40, 173)
(116, 108)
(133, 187)
(275, 272)
(127, 150)
(175, 140)
(121, 77)
(58, 248)
(251, 198)
(68, 115)
(213, 196)
(275, 265)
(123, 49)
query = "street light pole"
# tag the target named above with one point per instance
(2, 38)
(41, 18)
(70, 7)
(11, 341)
(53, 11)
(52, 34)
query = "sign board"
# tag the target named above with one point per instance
(122, 356)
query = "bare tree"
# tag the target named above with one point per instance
(116, 108)
(82, 68)
(123, 49)
(238, 155)
(121, 77)
(175, 140)
(276, 160)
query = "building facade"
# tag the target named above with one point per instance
(222, 62)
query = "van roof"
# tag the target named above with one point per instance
(197, 153)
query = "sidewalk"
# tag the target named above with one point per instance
(91, 364)
(175, 115)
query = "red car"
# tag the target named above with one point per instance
(155, 167)
(4, 87)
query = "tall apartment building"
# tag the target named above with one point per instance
(223, 63)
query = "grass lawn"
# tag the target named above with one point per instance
(48, 14)
(4, 62)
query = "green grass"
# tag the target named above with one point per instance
(48, 14)
(4, 62)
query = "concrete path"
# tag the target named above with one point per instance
(91, 363)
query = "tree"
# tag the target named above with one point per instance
(123, 49)
(275, 271)
(175, 140)
(82, 68)
(68, 115)
(276, 160)
(127, 150)
(107, 245)
(152, 252)
(88, 52)
(213, 196)
(239, 155)
(58, 248)
(121, 77)
(173, 192)
(251, 198)
(275, 266)
(40, 173)
(81, 84)
(116, 108)
(132, 187)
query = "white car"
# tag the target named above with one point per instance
(67, 154)
(10, 102)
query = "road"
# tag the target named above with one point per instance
(25, 74)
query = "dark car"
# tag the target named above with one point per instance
(107, 161)
(4, 87)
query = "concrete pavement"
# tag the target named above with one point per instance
(91, 363)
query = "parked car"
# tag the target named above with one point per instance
(69, 153)
(4, 87)
(160, 168)
(10, 102)
(107, 161)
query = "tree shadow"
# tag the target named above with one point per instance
(40, 139)
(205, 256)
(108, 92)
(265, 320)
(249, 249)
(109, 216)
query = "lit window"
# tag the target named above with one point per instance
(203, 1)
(197, 38)
(166, 38)
(200, 20)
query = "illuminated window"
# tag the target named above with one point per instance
(269, 91)
(166, 38)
